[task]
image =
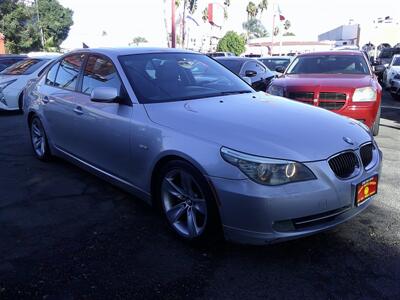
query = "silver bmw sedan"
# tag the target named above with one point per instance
(190, 137)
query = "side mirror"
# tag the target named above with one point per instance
(280, 69)
(104, 94)
(250, 73)
(247, 79)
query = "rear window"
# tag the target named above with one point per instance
(25, 67)
(396, 61)
(386, 53)
(273, 63)
(329, 64)
(234, 65)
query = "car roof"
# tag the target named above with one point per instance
(12, 56)
(131, 50)
(335, 52)
(243, 59)
(276, 57)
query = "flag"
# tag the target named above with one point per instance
(279, 13)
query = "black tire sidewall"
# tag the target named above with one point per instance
(375, 127)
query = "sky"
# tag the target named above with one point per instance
(122, 20)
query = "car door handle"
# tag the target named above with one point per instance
(78, 110)
(46, 99)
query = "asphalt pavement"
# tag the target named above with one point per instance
(65, 234)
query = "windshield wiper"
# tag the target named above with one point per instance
(235, 92)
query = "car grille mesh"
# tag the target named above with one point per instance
(306, 97)
(366, 154)
(332, 96)
(344, 165)
(331, 100)
(331, 105)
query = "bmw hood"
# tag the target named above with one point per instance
(263, 125)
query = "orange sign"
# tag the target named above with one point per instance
(366, 189)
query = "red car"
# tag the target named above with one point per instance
(340, 81)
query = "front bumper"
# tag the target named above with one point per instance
(255, 214)
(8, 102)
(364, 111)
(395, 87)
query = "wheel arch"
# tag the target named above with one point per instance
(171, 156)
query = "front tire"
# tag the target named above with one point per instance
(39, 140)
(375, 126)
(187, 202)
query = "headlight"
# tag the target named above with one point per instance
(267, 171)
(397, 76)
(365, 94)
(276, 90)
(5, 84)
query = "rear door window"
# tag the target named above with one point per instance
(99, 72)
(68, 72)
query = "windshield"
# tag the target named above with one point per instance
(273, 63)
(24, 67)
(396, 61)
(329, 64)
(386, 53)
(163, 77)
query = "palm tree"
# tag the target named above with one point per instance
(263, 5)
(252, 10)
(204, 16)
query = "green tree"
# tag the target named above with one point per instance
(288, 34)
(255, 29)
(232, 42)
(55, 21)
(287, 25)
(22, 23)
(20, 28)
(138, 40)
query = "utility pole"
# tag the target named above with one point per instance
(173, 33)
(38, 20)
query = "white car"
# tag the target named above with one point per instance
(392, 72)
(14, 79)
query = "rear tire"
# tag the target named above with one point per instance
(375, 126)
(39, 140)
(187, 202)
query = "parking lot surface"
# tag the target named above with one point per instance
(65, 234)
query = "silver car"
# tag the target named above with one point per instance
(190, 137)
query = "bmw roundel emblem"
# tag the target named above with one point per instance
(348, 140)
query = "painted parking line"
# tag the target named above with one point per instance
(391, 107)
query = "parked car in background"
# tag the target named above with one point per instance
(383, 60)
(7, 60)
(254, 72)
(220, 54)
(395, 89)
(277, 64)
(392, 71)
(14, 79)
(340, 81)
(210, 155)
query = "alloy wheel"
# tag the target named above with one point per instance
(184, 203)
(38, 138)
